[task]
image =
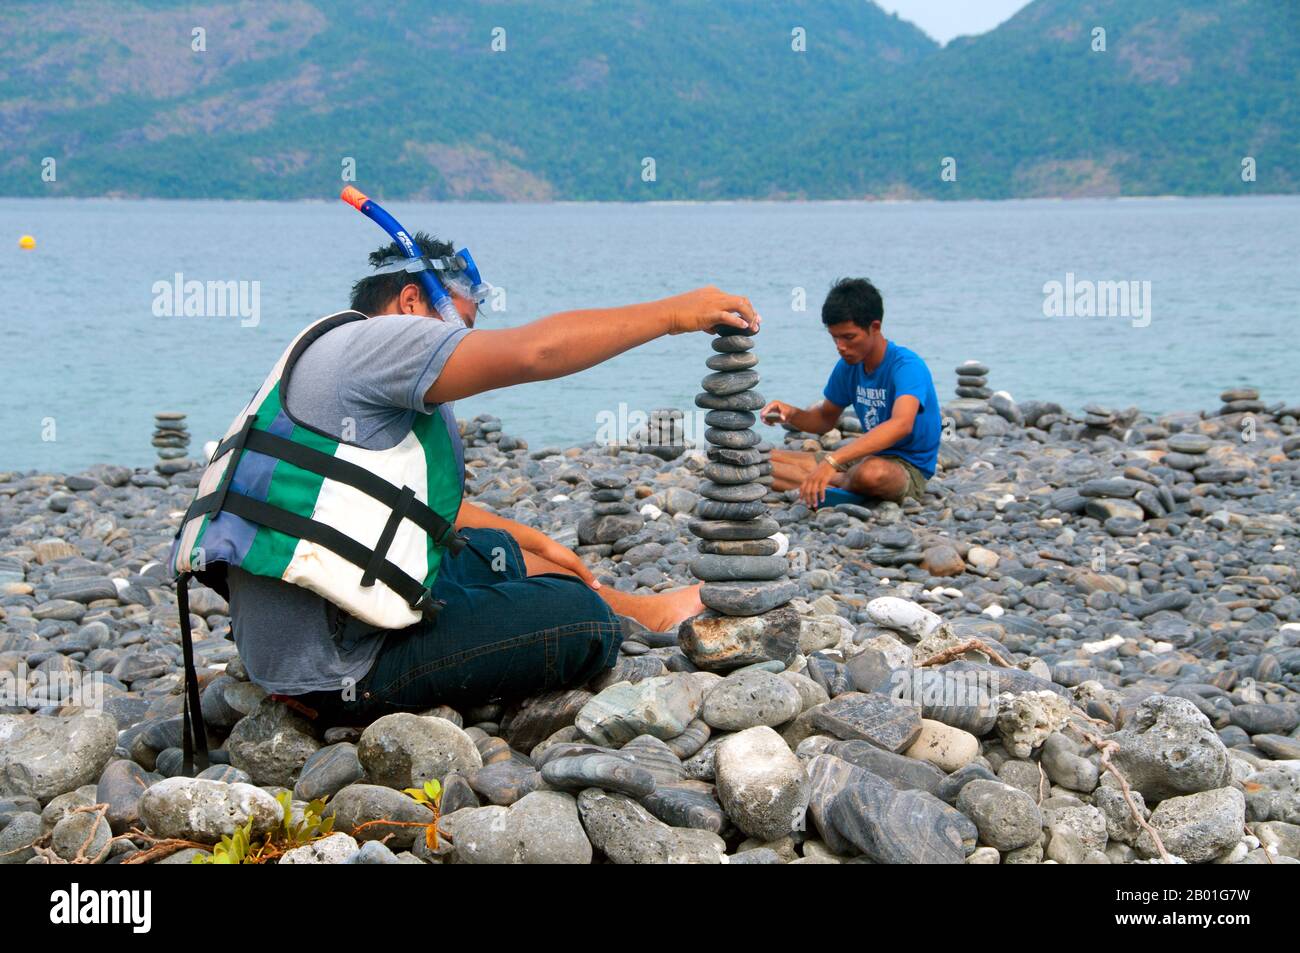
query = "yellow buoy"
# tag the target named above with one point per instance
(27, 242)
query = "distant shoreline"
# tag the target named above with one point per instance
(563, 203)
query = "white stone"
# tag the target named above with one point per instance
(761, 783)
(1092, 648)
(334, 849)
(903, 616)
(204, 810)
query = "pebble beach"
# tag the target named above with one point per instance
(1081, 647)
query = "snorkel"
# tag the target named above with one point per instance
(460, 268)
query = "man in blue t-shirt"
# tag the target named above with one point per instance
(893, 395)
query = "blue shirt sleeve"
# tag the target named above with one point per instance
(912, 377)
(839, 388)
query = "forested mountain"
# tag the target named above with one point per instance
(530, 100)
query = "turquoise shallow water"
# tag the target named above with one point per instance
(84, 359)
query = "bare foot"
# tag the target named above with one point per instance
(673, 606)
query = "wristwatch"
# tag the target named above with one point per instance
(841, 467)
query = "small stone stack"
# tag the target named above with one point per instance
(1100, 420)
(1241, 400)
(972, 381)
(171, 438)
(609, 495)
(613, 514)
(663, 435)
(738, 563)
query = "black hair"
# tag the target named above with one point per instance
(853, 299)
(371, 294)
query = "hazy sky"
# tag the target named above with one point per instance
(944, 19)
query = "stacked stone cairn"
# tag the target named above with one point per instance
(171, 438)
(972, 381)
(739, 563)
(613, 515)
(1100, 420)
(1241, 400)
(663, 435)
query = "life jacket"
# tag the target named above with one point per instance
(363, 529)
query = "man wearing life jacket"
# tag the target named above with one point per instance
(359, 581)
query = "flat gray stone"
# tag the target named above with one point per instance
(738, 361)
(745, 400)
(745, 598)
(739, 547)
(761, 528)
(733, 492)
(730, 419)
(543, 827)
(724, 383)
(714, 568)
(606, 771)
(904, 773)
(750, 698)
(661, 707)
(627, 833)
(687, 803)
(876, 718)
(732, 343)
(1187, 442)
(714, 510)
(900, 827)
(727, 474)
(731, 439)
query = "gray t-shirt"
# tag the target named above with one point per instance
(373, 373)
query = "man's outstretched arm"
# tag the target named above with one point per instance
(572, 341)
(818, 418)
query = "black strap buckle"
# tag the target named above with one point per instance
(428, 606)
(451, 540)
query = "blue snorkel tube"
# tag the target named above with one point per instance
(438, 295)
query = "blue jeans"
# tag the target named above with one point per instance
(502, 635)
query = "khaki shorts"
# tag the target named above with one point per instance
(916, 480)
